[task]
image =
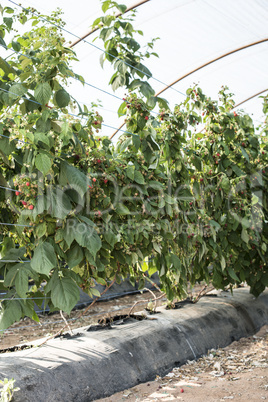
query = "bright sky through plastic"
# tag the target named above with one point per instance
(191, 32)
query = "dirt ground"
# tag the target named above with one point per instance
(28, 330)
(238, 372)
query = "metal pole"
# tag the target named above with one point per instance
(251, 97)
(116, 15)
(199, 68)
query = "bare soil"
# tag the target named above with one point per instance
(238, 372)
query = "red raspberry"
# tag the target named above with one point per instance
(146, 117)
(30, 207)
(17, 192)
(98, 160)
(27, 184)
(94, 179)
(105, 181)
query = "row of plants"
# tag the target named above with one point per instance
(182, 193)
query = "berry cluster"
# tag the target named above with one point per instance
(26, 193)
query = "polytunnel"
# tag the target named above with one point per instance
(206, 42)
(133, 173)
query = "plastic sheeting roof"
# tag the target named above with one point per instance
(192, 33)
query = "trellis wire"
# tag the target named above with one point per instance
(83, 82)
(11, 189)
(14, 139)
(70, 114)
(15, 224)
(13, 261)
(26, 298)
(95, 46)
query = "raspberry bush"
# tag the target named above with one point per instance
(182, 193)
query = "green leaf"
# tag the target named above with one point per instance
(218, 200)
(86, 236)
(69, 231)
(62, 98)
(122, 109)
(22, 281)
(44, 258)
(175, 261)
(225, 184)
(11, 276)
(16, 46)
(95, 292)
(136, 141)
(197, 163)
(155, 185)
(13, 254)
(10, 312)
(157, 247)
(244, 153)
(244, 235)
(122, 209)
(152, 101)
(64, 294)
(2, 42)
(229, 134)
(74, 256)
(27, 307)
(223, 263)
(43, 163)
(26, 62)
(145, 71)
(121, 7)
(146, 90)
(254, 199)
(264, 247)
(105, 6)
(130, 172)
(17, 90)
(215, 224)
(4, 65)
(58, 203)
(245, 223)
(41, 137)
(74, 177)
(42, 93)
(138, 177)
(233, 275)
(8, 21)
(163, 103)
(169, 200)
(111, 238)
(41, 229)
(237, 171)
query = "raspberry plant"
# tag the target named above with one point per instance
(168, 197)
